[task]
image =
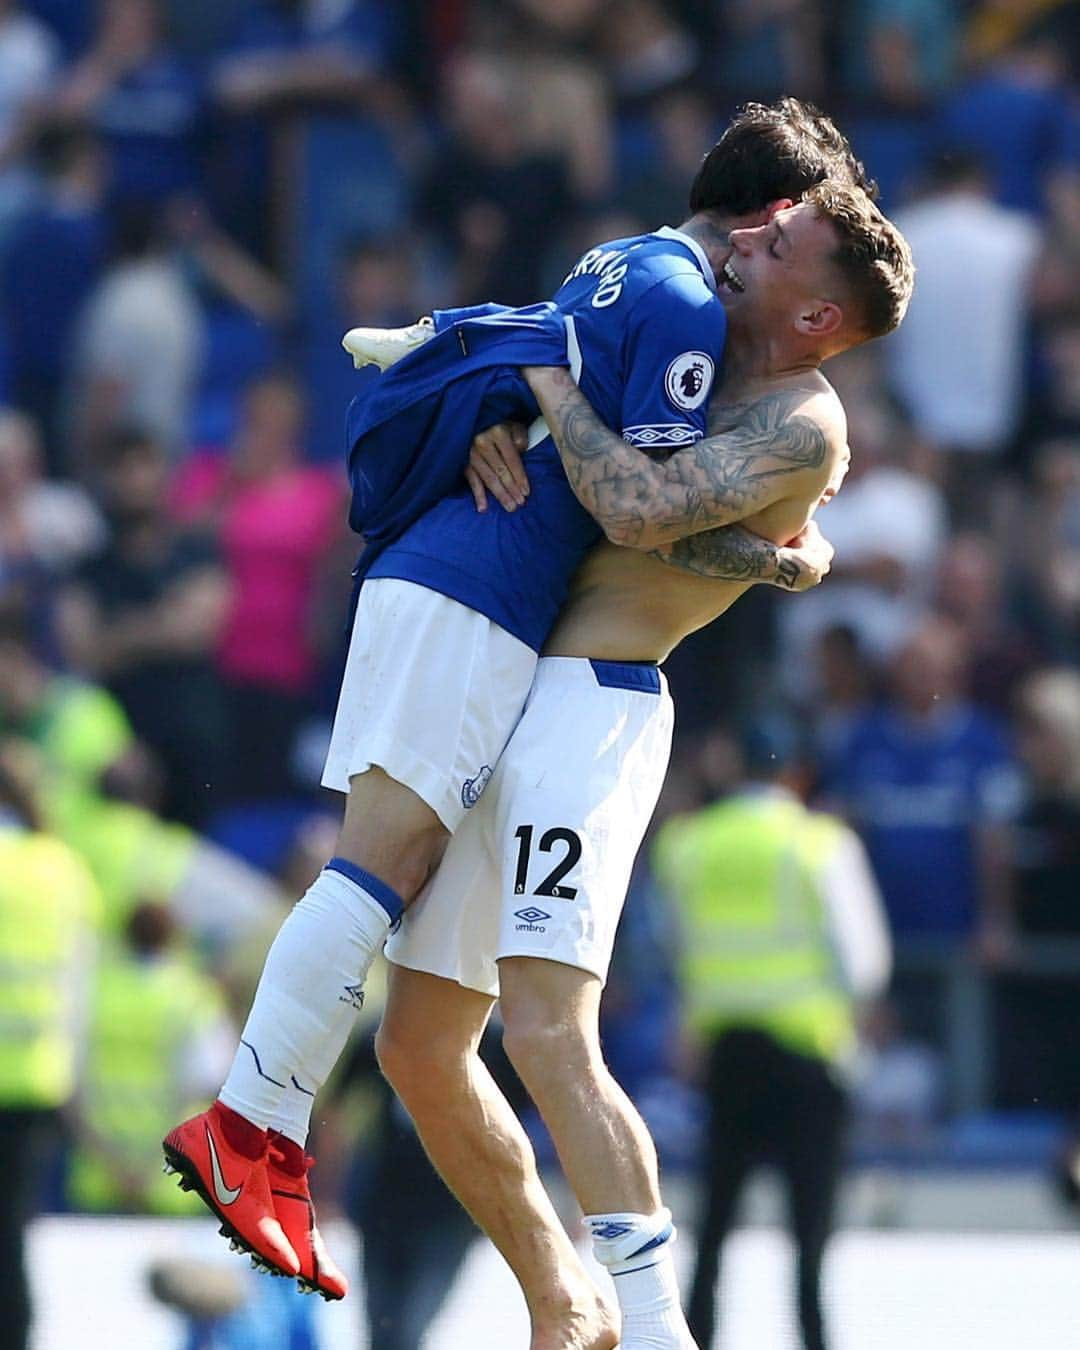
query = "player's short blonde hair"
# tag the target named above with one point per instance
(872, 256)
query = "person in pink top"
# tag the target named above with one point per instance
(278, 521)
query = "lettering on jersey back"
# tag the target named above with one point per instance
(610, 266)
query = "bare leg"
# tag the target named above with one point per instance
(391, 832)
(552, 1035)
(428, 1049)
(551, 1016)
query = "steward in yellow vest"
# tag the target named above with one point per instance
(48, 913)
(783, 931)
(159, 1042)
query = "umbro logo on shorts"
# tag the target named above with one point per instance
(531, 914)
(473, 787)
(532, 919)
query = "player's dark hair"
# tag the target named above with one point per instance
(872, 256)
(772, 151)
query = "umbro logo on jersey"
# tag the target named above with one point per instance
(226, 1195)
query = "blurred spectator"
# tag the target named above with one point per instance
(300, 53)
(78, 729)
(845, 684)
(144, 100)
(29, 59)
(50, 265)
(764, 50)
(888, 524)
(144, 616)
(1050, 548)
(929, 781)
(376, 287)
(45, 523)
(898, 1084)
(48, 913)
(98, 789)
(1037, 1035)
(995, 25)
(288, 61)
(1016, 113)
(140, 341)
(158, 1043)
(476, 193)
(956, 363)
(972, 595)
(647, 52)
(784, 936)
(1046, 862)
(1056, 410)
(547, 53)
(899, 53)
(681, 123)
(1057, 279)
(277, 519)
(221, 268)
(226, 1307)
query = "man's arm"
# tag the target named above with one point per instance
(779, 437)
(734, 553)
(730, 553)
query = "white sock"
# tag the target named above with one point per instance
(636, 1250)
(309, 995)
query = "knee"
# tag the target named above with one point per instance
(401, 1058)
(416, 1062)
(541, 1045)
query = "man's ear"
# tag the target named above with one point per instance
(821, 319)
(781, 204)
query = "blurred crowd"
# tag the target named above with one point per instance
(197, 199)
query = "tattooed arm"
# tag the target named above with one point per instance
(773, 446)
(737, 554)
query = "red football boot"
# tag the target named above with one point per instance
(235, 1187)
(288, 1168)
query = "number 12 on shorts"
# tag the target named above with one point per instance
(549, 841)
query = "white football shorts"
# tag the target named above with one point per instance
(431, 693)
(541, 867)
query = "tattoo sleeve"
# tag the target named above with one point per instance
(731, 554)
(739, 469)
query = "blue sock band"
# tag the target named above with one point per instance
(386, 896)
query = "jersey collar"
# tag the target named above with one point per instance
(666, 232)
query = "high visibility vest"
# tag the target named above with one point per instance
(132, 854)
(743, 873)
(48, 912)
(144, 1013)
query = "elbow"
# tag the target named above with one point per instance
(634, 533)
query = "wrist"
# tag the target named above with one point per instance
(782, 568)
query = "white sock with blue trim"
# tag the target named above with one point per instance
(636, 1251)
(309, 995)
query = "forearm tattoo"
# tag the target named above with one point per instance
(732, 554)
(731, 474)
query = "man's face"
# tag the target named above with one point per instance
(780, 271)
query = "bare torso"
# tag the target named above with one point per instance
(629, 606)
(626, 605)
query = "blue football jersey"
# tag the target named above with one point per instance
(645, 338)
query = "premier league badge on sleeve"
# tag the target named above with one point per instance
(688, 380)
